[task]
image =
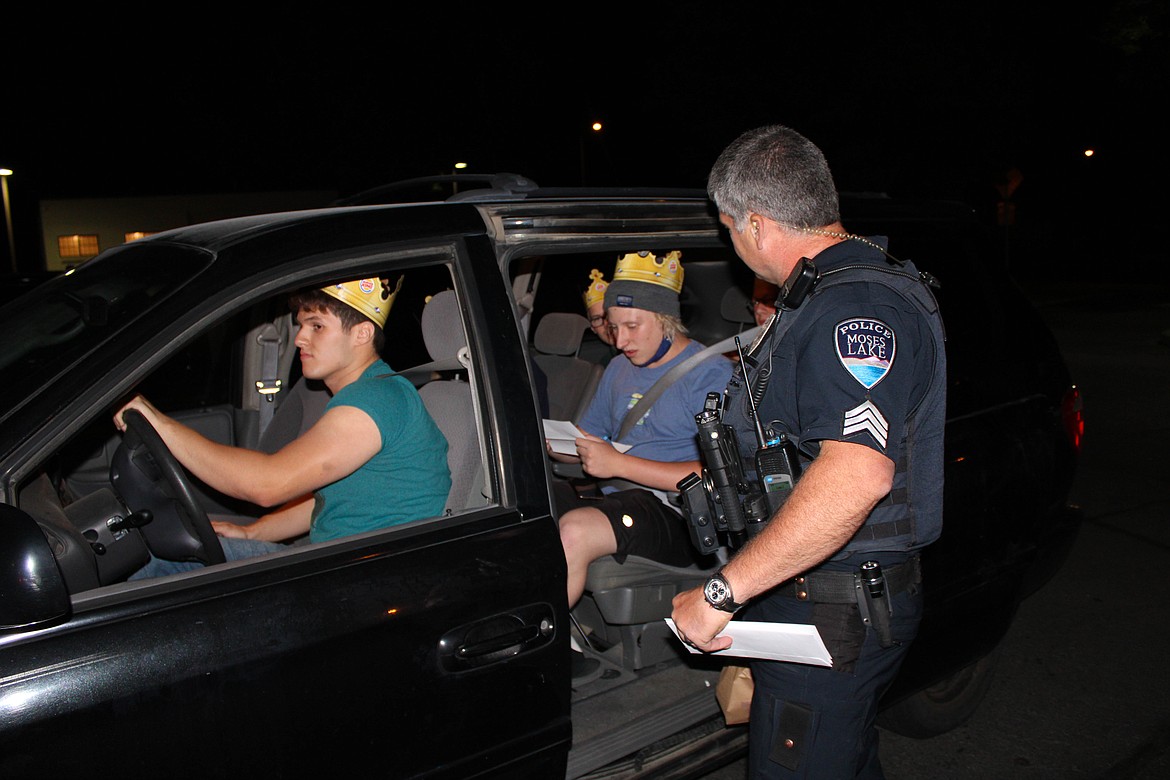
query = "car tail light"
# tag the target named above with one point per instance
(1072, 414)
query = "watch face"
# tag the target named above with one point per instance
(716, 591)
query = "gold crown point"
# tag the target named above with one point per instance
(595, 292)
(645, 266)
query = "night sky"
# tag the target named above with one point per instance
(905, 98)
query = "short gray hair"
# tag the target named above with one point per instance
(777, 172)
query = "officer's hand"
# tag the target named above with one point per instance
(699, 623)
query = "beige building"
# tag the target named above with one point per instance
(75, 230)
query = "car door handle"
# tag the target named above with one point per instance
(510, 643)
(497, 638)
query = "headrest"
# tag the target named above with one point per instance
(442, 327)
(736, 306)
(559, 333)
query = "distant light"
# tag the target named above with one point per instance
(596, 127)
(1088, 153)
(5, 172)
(460, 166)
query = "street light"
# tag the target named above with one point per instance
(4, 174)
(595, 128)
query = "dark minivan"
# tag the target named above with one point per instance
(440, 648)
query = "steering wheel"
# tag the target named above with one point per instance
(147, 476)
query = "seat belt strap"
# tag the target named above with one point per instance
(269, 383)
(639, 410)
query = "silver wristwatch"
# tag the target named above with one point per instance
(717, 591)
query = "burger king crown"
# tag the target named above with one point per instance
(595, 292)
(371, 297)
(644, 266)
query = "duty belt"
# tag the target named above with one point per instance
(840, 587)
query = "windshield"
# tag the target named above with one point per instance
(49, 327)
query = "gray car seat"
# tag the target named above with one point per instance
(451, 401)
(626, 602)
(572, 380)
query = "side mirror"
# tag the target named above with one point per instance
(32, 590)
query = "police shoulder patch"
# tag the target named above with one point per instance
(865, 347)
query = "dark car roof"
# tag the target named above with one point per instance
(205, 260)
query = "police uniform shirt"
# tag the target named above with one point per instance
(855, 362)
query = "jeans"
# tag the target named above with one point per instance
(233, 550)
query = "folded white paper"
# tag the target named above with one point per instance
(794, 642)
(562, 435)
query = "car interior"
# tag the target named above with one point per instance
(106, 500)
(620, 618)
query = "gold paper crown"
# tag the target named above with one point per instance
(644, 266)
(371, 297)
(595, 292)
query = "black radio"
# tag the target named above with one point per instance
(721, 507)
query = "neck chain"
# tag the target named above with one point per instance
(843, 236)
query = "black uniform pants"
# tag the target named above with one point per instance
(816, 722)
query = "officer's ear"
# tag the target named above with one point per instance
(757, 224)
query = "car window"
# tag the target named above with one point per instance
(55, 323)
(559, 281)
(207, 383)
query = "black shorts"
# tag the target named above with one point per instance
(642, 525)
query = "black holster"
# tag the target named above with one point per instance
(874, 602)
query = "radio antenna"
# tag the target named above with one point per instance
(751, 398)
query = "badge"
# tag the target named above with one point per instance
(865, 347)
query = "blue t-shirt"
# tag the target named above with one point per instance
(407, 479)
(667, 432)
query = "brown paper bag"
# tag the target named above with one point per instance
(734, 693)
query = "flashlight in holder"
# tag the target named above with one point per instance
(873, 602)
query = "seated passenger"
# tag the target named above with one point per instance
(763, 303)
(594, 297)
(642, 306)
(375, 459)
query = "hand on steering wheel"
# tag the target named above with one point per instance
(147, 475)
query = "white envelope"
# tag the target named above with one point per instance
(794, 642)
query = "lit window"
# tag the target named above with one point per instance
(77, 246)
(137, 234)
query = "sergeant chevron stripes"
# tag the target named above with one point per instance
(866, 417)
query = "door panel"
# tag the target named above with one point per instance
(217, 669)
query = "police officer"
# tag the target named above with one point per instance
(852, 369)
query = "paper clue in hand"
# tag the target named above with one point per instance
(561, 436)
(794, 642)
